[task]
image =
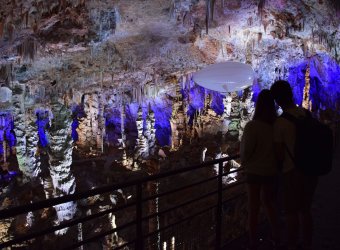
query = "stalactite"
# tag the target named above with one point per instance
(2, 28)
(259, 37)
(261, 8)
(209, 13)
(28, 49)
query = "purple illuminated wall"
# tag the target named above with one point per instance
(324, 82)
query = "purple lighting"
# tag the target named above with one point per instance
(324, 82)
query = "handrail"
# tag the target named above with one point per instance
(14, 211)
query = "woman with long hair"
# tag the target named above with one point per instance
(259, 162)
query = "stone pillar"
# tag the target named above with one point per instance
(142, 147)
(150, 132)
(234, 125)
(101, 124)
(306, 102)
(178, 121)
(26, 135)
(247, 109)
(226, 113)
(60, 160)
(89, 129)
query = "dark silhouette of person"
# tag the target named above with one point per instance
(298, 189)
(260, 164)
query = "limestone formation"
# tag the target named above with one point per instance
(234, 125)
(247, 109)
(142, 146)
(150, 132)
(178, 120)
(60, 160)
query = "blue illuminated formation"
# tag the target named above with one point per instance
(113, 125)
(6, 131)
(256, 88)
(217, 102)
(163, 111)
(324, 82)
(296, 79)
(43, 123)
(196, 100)
(77, 113)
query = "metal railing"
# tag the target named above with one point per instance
(137, 223)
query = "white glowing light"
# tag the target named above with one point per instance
(225, 77)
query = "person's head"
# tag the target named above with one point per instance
(282, 93)
(265, 107)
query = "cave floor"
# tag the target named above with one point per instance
(326, 212)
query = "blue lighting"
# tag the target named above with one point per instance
(6, 131)
(43, 123)
(324, 82)
(163, 111)
(77, 113)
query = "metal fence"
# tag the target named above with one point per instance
(143, 237)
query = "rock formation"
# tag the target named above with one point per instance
(60, 160)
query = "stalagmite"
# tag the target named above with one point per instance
(178, 120)
(234, 125)
(60, 160)
(26, 135)
(247, 109)
(150, 132)
(142, 147)
(306, 101)
(91, 128)
(122, 124)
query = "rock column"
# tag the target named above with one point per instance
(60, 160)
(142, 147)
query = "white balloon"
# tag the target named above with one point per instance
(225, 77)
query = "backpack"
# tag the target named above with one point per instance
(313, 149)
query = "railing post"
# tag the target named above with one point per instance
(219, 207)
(139, 215)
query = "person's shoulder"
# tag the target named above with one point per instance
(280, 122)
(250, 124)
(297, 111)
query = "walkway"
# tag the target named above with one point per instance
(326, 211)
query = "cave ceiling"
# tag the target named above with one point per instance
(126, 42)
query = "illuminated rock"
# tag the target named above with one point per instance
(247, 109)
(178, 120)
(91, 129)
(150, 132)
(26, 135)
(60, 160)
(234, 125)
(141, 150)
